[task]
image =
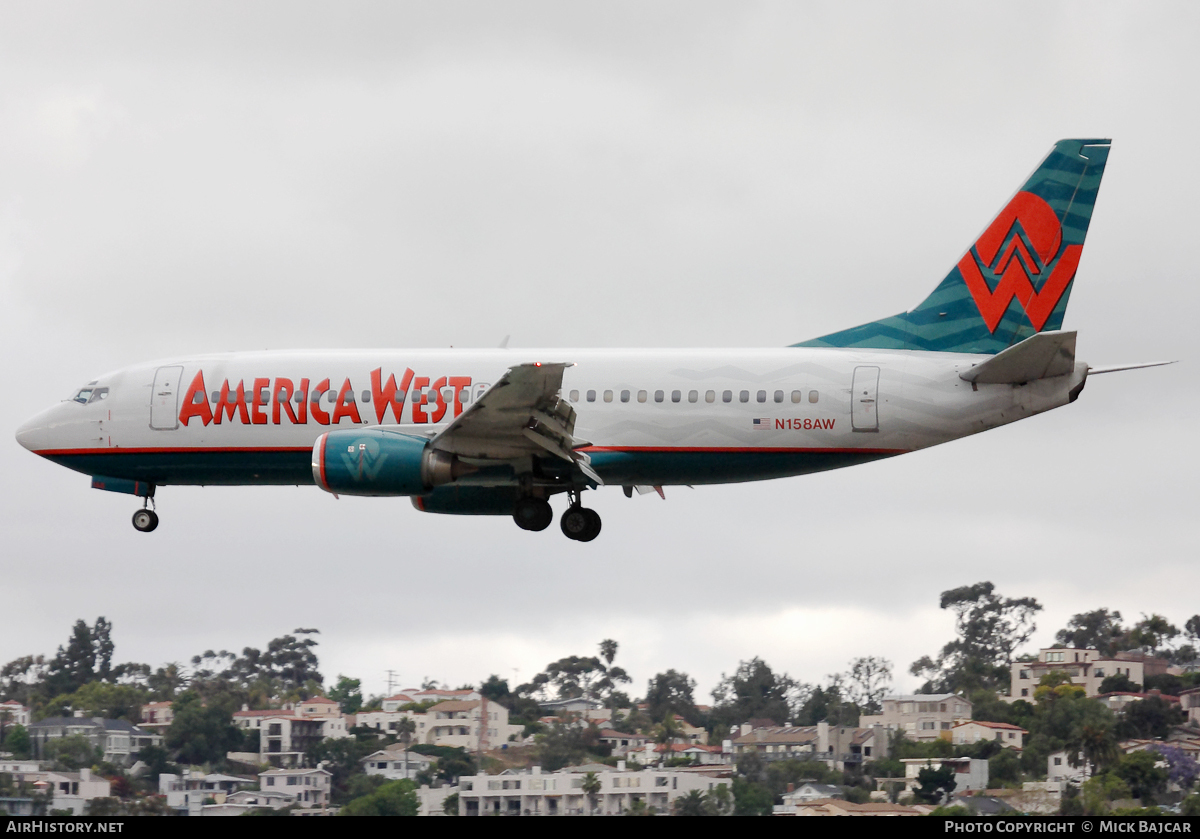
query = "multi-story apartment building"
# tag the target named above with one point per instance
(839, 746)
(1009, 736)
(457, 723)
(1086, 668)
(921, 716)
(118, 741)
(534, 793)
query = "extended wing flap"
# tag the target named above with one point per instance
(1040, 356)
(521, 414)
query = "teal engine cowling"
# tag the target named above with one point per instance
(372, 461)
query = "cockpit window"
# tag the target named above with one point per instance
(90, 394)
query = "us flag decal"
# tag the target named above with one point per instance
(762, 424)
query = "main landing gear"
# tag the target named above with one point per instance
(578, 522)
(145, 519)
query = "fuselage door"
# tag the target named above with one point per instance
(164, 399)
(864, 414)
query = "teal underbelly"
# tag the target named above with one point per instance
(235, 467)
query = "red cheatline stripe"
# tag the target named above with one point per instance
(175, 450)
(738, 450)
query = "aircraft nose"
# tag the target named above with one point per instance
(32, 432)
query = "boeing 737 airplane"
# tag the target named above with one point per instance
(500, 432)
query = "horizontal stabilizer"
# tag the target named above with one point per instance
(1040, 356)
(1096, 371)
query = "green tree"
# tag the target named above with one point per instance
(591, 788)
(201, 734)
(1152, 632)
(751, 799)
(395, 798)
(869, 680)
(1119, 683)
(1149, 719)
(347, 693)
(990, 628)
(1144, 777)
(753, 692)
(450, 804)
(1099, 629)
(692, 804)
(672, 692)
(17, 742)
(1098, 792)
(1004, 767)
(103, 699)
(934, 785)
(72, 752)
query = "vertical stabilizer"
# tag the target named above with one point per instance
(1016, 279)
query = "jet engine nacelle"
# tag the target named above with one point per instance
(377, 462)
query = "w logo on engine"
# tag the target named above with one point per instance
(363, 460)
(1022, 245)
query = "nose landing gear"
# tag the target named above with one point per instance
(145, 519)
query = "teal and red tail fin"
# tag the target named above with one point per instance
(1016, 278)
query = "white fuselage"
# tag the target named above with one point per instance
(654, 417)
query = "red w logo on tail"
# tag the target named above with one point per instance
(1031, 216)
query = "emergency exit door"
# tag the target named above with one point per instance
(864, 399)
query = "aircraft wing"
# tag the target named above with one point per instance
(521, 414)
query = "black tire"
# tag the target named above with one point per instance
(145, 520)
(533, 513)
(576, 523)
(593, 526)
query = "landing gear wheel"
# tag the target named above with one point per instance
(145, 520)
(533, 513)
(580, 524)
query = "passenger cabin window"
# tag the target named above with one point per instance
(624, 396)
(641, 396)
(762, 396)
(197, 398)
(727, 396)
(659, 395)
(710, 396)
(399, 396)
(744, 396)
(693, 395)
(591, 396)
(813, 396)
(608, 396)
(574, 396)
(366, 396)
(779, 396)
(797, 395)
(676, 396)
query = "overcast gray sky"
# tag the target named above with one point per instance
(194, 177)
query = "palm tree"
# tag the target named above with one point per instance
(405, 728)
(591, 788)
(665, 734)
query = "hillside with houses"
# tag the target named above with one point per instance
(1107, 720)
